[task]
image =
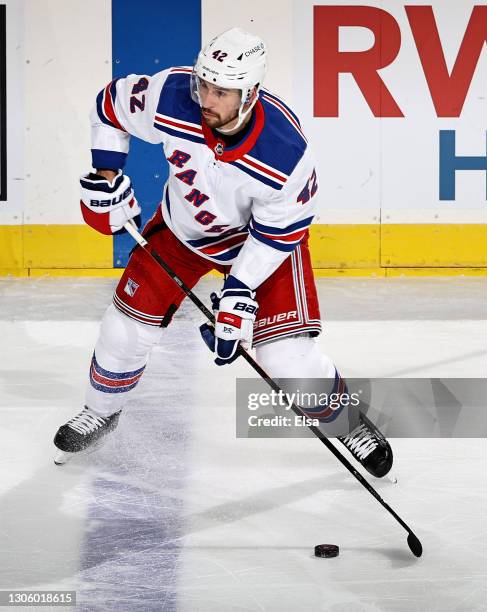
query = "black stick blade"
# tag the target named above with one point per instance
(415, 545)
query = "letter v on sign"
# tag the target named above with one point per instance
(448, 91)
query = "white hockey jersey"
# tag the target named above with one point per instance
(245, 206)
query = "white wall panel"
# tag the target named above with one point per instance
(271, 20)
(347, 148)
(67, 61)
(11, 211)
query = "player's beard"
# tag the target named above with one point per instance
(215, 121)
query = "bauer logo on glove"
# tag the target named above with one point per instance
(118, 200)
(107, 205)
(234, 320)
(245, 307)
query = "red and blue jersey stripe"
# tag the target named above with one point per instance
(179, 128)
(221, 248)
(177, 114)
(278, 103)
(282, 239)
(261, 171)
(268, 163)
(105, 105)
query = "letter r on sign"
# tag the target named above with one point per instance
(330, 62)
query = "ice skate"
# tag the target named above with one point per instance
(83, 434)
(369, 447)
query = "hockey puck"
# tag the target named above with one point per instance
(326, 550)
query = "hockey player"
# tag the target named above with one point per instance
(240, 198)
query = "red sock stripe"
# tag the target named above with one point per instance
(113, 382)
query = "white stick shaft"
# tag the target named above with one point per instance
(133, 231)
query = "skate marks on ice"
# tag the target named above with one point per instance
(342, 299)
(266, 559)
(83, 526)
(130, 551)
(249, 542)
(104, 524)
(43, 366)
(55, 299)
(247, 513)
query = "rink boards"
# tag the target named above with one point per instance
(365, 250)
(401, 151)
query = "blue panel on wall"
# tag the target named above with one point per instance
(148, 36)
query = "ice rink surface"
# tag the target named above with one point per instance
(176, 513)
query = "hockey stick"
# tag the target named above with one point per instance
(412, 540)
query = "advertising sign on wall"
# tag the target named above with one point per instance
(399, 104)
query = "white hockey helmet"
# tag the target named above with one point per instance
(232, 60)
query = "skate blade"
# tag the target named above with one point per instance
(389, 477)
(64, 457)
(61, 458)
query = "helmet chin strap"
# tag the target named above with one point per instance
(241, 118)
(242, 115)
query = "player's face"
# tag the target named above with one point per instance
(219, 106)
